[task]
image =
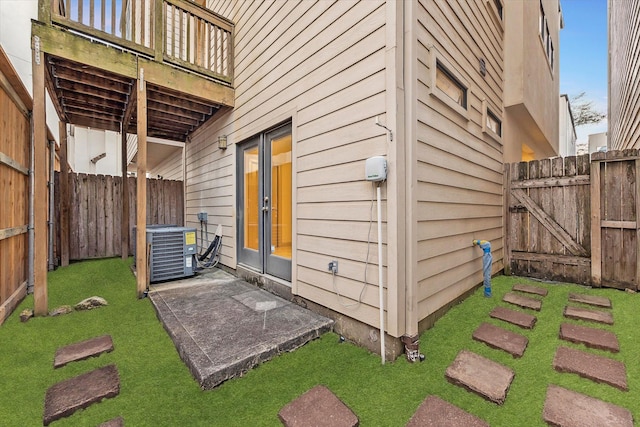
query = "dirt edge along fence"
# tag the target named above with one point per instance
(574, 219)
(95, 213)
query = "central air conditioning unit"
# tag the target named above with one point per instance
(173, 250)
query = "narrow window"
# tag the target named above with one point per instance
(551, 55)
(494, 123)
(541, 26)
(498, 4)
(450, 86)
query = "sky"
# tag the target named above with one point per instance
(583, 56)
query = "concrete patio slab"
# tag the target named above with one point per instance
(530, 289)
(66, 397)
(434, 411)
(518, 318)
(480, 375)
(579, 313)
(522, 301)
(596, 368)
(83, 350)
(223, 326)
(501, 339)
(591, 300)
(318, 407)
(566, 408)
(591, 337)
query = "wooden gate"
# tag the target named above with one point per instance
(574, 220)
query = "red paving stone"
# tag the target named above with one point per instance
(585, 314)
(531, 289)
(317, 407)
(567, 408)
(480, 375)
(83, 350)
(518, 318)
(596, 368)
(591, 300)
(66, 397)
(501, 339)
(591, 337)
(434, 411)
(522, 301)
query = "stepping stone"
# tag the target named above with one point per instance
(83, 350)
(115, 422)
(591, 300)
(596, 368)
(66, 397)
(522, 301)
(586, 314)
(480, 375)
(518, 318)
(434, 411)
(591, 337)
(567, 408)
(317, 407)
(501, 339)
(531, 289)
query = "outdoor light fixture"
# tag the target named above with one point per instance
(222, 142)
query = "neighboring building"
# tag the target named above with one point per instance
(624, 79)
(597, 142)
(532, 78)
(567, 139)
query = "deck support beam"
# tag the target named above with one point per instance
(124, 224)
(141, 185)
(39, 169)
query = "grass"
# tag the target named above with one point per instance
(158, 390)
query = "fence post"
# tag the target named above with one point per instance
(596, 232)
(506, 200)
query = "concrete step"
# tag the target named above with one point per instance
(530, 289)
(591, 337)
(82, 350)
(434, 411)
(522, 301)
(501, 339)
(591, 300)
(518, 318)
(317, 407)
(566, 408)
(596, 368)
(489, 379)
(579, 313)
(66, 397)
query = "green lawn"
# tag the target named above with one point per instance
(158, 390)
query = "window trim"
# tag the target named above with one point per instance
(495, 13)
(486, 112)
(452, 73)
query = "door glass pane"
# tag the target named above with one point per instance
(251, 195)
(281, 192)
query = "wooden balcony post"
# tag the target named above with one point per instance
(141, 185)
(64, 197)
(158, 30)
(40, 182)
(44, 11)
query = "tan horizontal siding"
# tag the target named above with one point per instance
(170, 168)
(458, 168)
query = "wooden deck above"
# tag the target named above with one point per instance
(93, 65)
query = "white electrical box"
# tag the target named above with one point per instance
(376, 169)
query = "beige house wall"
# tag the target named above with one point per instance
(624, 76)
(531, 84)
(458, 165)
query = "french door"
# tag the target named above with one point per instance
(264, 202)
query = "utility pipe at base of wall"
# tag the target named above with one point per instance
(31, 212)
(487, 260)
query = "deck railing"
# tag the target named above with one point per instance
(175, 31)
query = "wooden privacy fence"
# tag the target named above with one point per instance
(15, 137)
(575, 219)
(95, 212)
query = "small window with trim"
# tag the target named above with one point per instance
(493, 123)
(498, 4)
(450, 86)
